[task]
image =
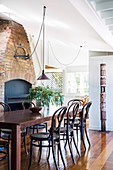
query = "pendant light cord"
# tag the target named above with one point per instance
(37, 40)
(42, 27)
(44, 10)
(67, 63)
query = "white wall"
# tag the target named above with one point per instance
(59, 55)
(65, 55)
(94, 92)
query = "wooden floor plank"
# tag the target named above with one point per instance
(99, 156)
(102, 158)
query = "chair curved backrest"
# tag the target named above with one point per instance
(85, 111)
(5, 106)
(75, 100)
(57, 117)
(73, 109)
(26, 105)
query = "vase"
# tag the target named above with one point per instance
(45, 111)
(38, 103)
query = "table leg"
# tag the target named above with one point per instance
(16, 148)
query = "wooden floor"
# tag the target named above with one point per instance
(99, 156)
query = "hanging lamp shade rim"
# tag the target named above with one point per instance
(43, 76)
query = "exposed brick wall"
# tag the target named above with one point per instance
(10, 67)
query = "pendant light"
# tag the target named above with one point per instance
(43, 76)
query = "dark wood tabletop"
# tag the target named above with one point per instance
(24, 118)
(16, 120)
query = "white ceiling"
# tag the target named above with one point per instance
(64, 21)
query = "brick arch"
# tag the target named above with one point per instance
(10, 67)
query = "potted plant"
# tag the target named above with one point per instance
(45, 95)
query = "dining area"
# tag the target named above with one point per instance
(24, 129)
(57, 133)
(56, 85)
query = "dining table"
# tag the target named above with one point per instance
(16, 120)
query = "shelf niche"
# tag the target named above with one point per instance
(103, 96)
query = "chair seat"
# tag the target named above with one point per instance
(40, 126)
(64, 129)
(77, 123)
(70, 119)
(6, 131)
(9, 130)
(43, 136)
(6, 137)
(3, 143)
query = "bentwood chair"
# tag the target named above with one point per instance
(81, 103)
(6, 133)
(81, 123)
(68, 130)
(52, 136)
(69, 103)
(26, 105)
(5, 108)
(75, 100)
(5, 151)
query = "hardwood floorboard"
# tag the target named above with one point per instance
(99, 156)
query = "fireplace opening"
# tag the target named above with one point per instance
(16, 92)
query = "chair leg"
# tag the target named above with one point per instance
(64, 122)
(87, 136)
(9, 158)
(66, 142)
(75, 144)
(37, 129)
(33, 130)
(59, 147)
(25, 144)
(82, 136)
(71, 137)
(40, 151)
(77, 133)
(70, 149)
(49, 151)
(26, 130)
(54, 157)
(31, 150)
(46, 126)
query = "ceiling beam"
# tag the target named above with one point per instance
(107, 14)
(106, 5)
(98, 0)
(111, 27)
(88, 12)
(109, 21)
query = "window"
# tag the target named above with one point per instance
(56, 80)
(78, 83)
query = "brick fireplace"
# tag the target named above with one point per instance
(13, 34)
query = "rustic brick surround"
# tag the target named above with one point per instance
(10, 67)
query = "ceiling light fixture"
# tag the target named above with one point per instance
(43, 76)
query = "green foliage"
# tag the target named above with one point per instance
(45, 95)
(57, 77)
